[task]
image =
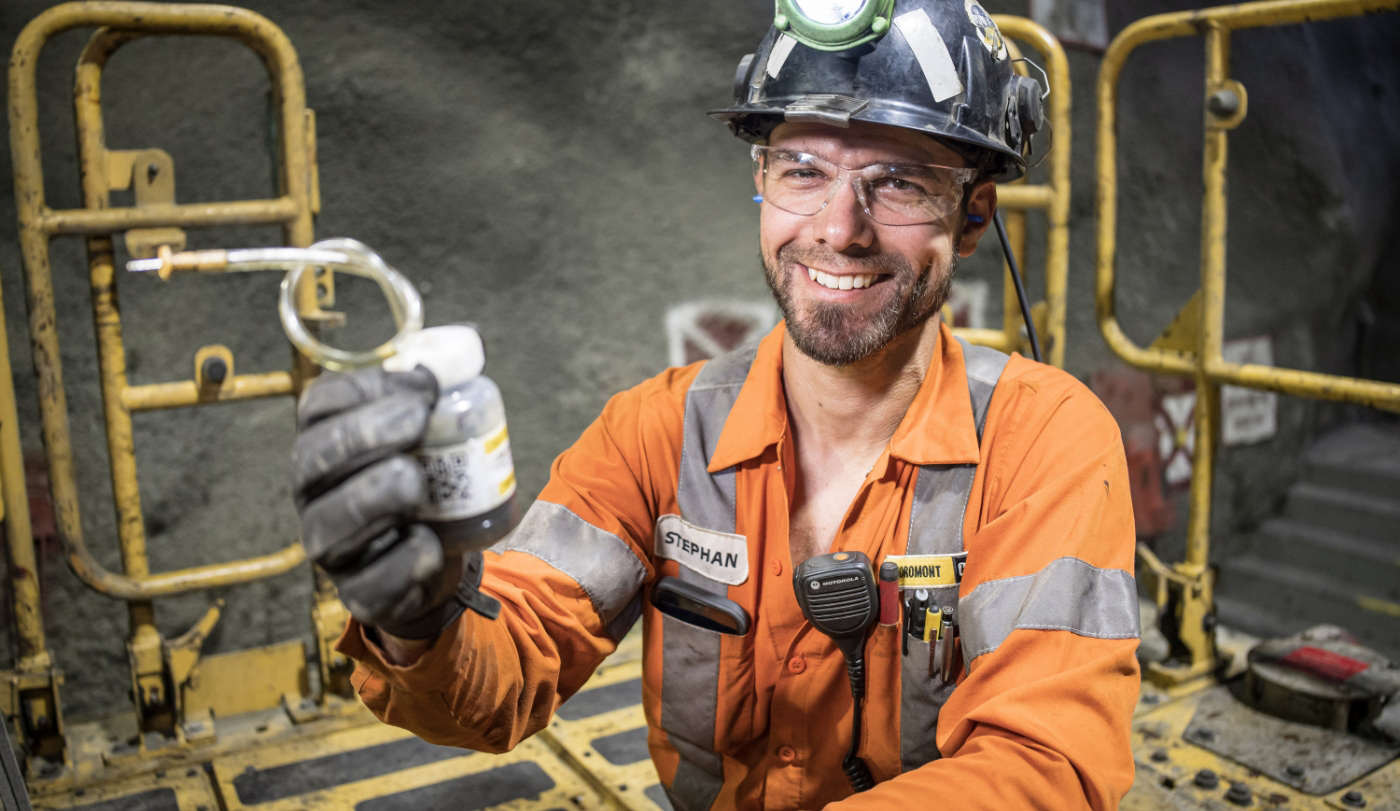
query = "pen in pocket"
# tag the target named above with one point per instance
(889, 593)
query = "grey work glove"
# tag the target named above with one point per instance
(356, 489)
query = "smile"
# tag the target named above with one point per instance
(835, 282)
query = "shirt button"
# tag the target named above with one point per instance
(776, 566)
(796, 664)
(787, 754)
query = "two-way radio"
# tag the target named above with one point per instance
(838, 595)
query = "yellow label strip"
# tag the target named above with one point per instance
(925, 571)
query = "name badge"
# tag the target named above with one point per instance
(928, 571)
(720, 556)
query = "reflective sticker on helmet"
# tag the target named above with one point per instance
(779, 54)
(931, 53)
(987, 30)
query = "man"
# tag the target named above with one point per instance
(859, 424)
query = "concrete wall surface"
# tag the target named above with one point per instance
(545, 171)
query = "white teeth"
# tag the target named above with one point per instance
(841, 282)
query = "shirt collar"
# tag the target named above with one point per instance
(938, 428)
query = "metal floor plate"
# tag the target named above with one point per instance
(1174, 772)
(592, 756)
(187, 790)
(1321, 760)
(603, 732)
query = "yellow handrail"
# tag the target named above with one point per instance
(293, 209)
(1199, 355)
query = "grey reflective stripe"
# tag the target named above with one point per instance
(708, 500)
(690, 655)
(984, 368)
(603, 565)
(936, 518)
(1067, 595)
(689, 703)
(624, 621)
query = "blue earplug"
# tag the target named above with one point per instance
(973, 218)
(758, 198)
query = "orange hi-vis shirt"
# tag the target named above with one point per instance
(1041, 719)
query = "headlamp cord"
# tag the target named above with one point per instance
(1020, 288)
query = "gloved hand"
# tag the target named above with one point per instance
(356, 489)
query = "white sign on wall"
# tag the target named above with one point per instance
(1248, 415)
(968, 302)
(1176, 436)
(698, 330)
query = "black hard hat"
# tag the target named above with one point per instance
(937, 66)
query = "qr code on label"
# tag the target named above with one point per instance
(449, 477)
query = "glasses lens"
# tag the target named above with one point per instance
(830, 12)
(905, 195)
(795, 181)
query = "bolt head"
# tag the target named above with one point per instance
(1160, 756)
(215, 370)
(1223, 102)
(1206, 778)
(1239, 794)
(1354, 798)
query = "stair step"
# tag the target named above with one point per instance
(1250, 618)
(1296, 594)
(1369, 565)
(1363, 459)
(1329, 508)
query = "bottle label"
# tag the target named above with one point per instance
(467, 478)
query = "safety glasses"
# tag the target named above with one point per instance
(890, 193)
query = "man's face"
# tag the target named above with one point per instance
(907, 269)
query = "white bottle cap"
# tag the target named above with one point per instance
(453, 353)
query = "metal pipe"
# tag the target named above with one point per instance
(1316, 385)
(1214, 217)
(106, 316)
(154, 396)
(19, 535)
(274, 211)
(1025, 196)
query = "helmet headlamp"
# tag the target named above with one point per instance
(833, 25)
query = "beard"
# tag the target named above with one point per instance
(836, 335)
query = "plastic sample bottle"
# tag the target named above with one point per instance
(465, 453)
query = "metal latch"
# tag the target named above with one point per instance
(825, 108)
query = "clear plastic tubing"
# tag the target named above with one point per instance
(342, 255)
(404, 302)
(465, 454)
